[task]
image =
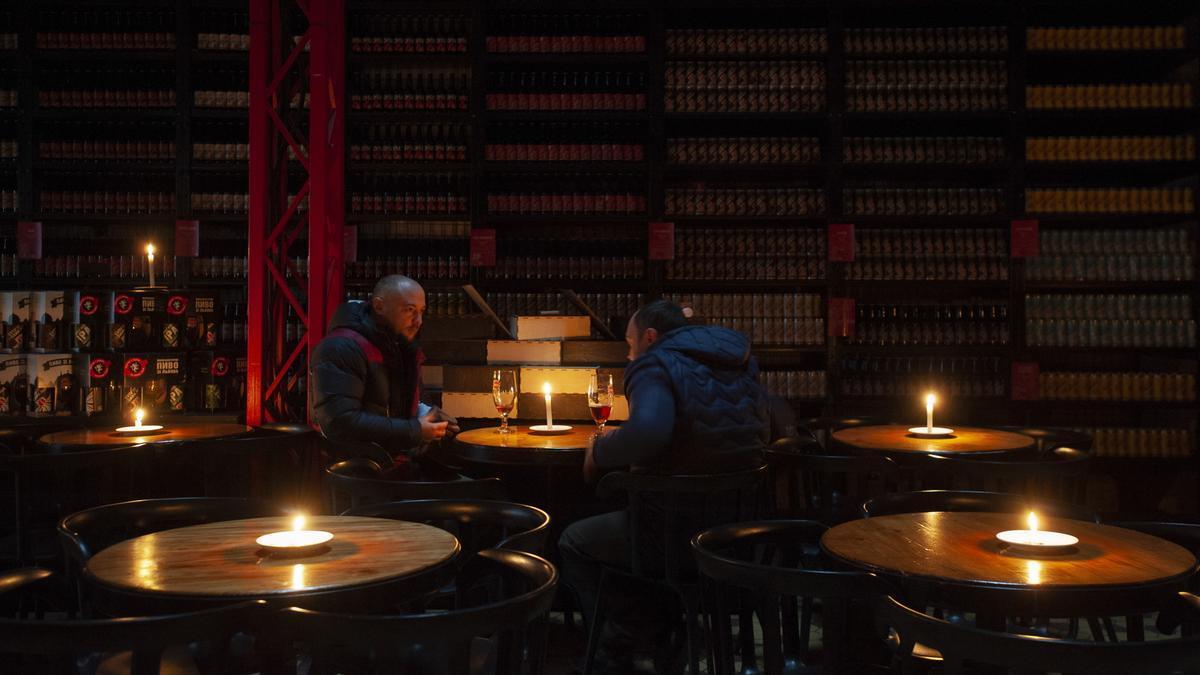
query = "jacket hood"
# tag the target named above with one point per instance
(713, 346)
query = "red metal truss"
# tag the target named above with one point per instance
(284, 73)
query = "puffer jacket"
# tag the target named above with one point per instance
(364, 400)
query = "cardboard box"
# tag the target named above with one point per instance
(455, 351)
(468, 327)
(155, 382)
(47, 332)
(137, 321)
(102, 384)
(203, 323)
(53, 384)
(89, 320)
(550, 327)
(14, 384)
(15, 308)
(469, 379)
(473, 405)
(524, 352)
(561, 380)
(595, 353)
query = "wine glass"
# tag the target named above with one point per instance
(600, 398)
(504, 395)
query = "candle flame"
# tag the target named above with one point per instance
(150, 250)
(930, 400)
(298, 523)
(137, 417)
(1032, 520)
(546, 388)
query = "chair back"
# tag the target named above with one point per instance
(825, 487)
(967, 501)
(962, 645)
(822, 428)
(1059, 474)
(478, 524)
(665, 512)
(46, 646)
(1049, 438)
(360, 481)
(507, 595)
(774, 569)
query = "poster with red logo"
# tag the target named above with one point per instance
(1024, 239)
(1025, 381)
(662, 241)
(841, 242)
(29, 240)
(187, 238)
(483, 247)
(177, 304)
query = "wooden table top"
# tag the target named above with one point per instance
(962, 548)
(222, 559)
(520, 446)
(895, 438)
(172, 431)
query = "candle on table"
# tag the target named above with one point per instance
(150, 261)
(549, 410)
(930, 400)
(297, 541)
(137, 417)
(138, 428)
(1033, 538)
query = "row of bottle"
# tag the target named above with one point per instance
(743, 150)
(957, 323)
(549, 267)
(628, 101)
(576, 202)
(414, 230)
(923, 149)
(409, 33)
(111, 266)
(9, 149)
(983, 387)
(1111, 149)
(106, 98)
(932, 243)
(913, 99)
(775, 331)
(221, 152)
(1117, 386)
(1104, 38)
(9, 98)
(745, 41)
(566, 33)
(931, 74)
(416, 267)
(1111, 306)
(908, 377)
(410, 193)
(93, 149)
(1109, 200)
(1140, 443)
(961, 269)
(923, 201)
(757, 268)
(615, 308)
(751, 305)
(225, 42)
(105, 201)
(1161, 241)
(1107, 96)
(744, 201)
(9, 201)
(744, 75)
(205, 98)
(717, 242)
(1110, 268)
(745, 101)
(793, 384)
(1122, 333)
(9, 41)
(961, 39)
(105, 29)
(407, 88)
(224, 202)
(565, 152)
(410, 142)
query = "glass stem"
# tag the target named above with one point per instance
(504, 423)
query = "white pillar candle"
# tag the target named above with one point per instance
(137, 417)
(929, 401)
(150, 261)
(549, 410)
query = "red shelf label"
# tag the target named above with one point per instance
(483, 247)
(1024, 242)
(841, 242)
(1025, 384)
(662, 241)
(29, 240)
(841, 317)
(187, 238)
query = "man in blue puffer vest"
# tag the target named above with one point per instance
(695, 407)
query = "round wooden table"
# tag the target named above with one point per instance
(894, 438)
(955, 559)
(520, 446)
(371, 561)
(172, 431)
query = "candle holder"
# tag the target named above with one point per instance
(931, 432)
(143, 430)
(296, 542)
(550, 429)
(1034, 541)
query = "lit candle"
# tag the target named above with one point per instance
(549, 410)
(137, 417)
(138, 428)
(150, 261)
(298, 523)
(930, 399)
(1032, 521)
(1033, 539)
(296, 541)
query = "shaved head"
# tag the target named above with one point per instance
(398, 304)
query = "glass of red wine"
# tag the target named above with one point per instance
(600, 399)
(504, 395)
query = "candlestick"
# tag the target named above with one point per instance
(930, 399)
(150, 262)
(549, 410)
(930, 431)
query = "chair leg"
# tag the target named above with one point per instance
(594, 631)
(692, 609)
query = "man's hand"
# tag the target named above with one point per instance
(590, 470)
(450, 420)
(431, 428)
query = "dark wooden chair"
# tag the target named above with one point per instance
(1049, 438)
(280, 462)
(499, 628)
(775, 569)
(963, 647)
(824, 487)
(358, 482)
(478, 524)
(965, 500)
(1059, 474)
(665, 512)
(822, 428)
(55, 647)
(87, 532)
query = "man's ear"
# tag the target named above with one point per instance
(651, 335)
(377, 304)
